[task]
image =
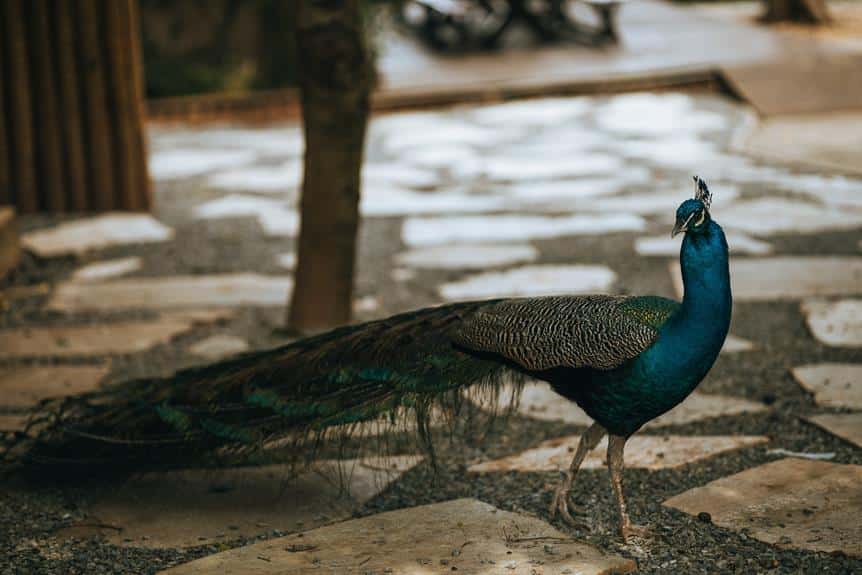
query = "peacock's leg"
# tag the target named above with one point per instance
(616, 446)
(588, 442)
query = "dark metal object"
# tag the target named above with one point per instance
(466, 24)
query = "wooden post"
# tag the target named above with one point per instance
(335, 83)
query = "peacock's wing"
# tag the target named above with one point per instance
(598, 331)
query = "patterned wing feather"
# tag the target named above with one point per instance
(597, 331)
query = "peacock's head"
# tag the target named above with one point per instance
(692, 215)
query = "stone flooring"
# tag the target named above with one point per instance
(559, 195)
(414, 541)
(791, 502)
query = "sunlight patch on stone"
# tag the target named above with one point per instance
(506, 228)
(534, 280)
(837, 324)
(107, 269)
(106, 230)
(468, 256)
(170, 164)
(647, 114)
(265, 179)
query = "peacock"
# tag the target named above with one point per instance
(624, 359)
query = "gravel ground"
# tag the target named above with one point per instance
(31, 515)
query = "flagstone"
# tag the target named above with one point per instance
(771, 216)
(533, 280)
(174, 292)
(642, 452)
(506, 228)
(97, 232)
(518, 168)
(382, 201)
(265, 179)
(539, 401)
(462, 535)
(392, 173)
(838, 323)
(219, 346)
(107, 269)
(286, 261)
(173, 164)
(833, 384)
(734, 344)
(438, 157)
(652, 115)
(90, 340)
(537, 112)
(659, 203)
(666, 246)
(468, 256)
(275, 216)
(199, 506)
(847, 426)
(26, 386)
(788, 277)
(790, 503)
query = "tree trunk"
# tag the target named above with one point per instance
(803, 11)
(335, 83)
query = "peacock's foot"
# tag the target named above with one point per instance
(562, 506)
(631, 531)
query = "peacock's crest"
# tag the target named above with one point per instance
(701, 192)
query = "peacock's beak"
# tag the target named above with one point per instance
(681, 226)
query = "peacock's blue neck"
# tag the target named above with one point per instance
(691, 340)
(706, 303)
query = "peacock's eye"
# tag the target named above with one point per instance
(700, 218)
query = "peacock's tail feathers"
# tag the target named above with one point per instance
(368, 381)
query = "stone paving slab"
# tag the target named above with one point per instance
(838, 324)
(847, 426)
(435, 231)
(642, 451)
(735, 344)
(788, 277)
(219, 346)
(196, 507)
(468, 256)
(107, 269)
(665, 246)
(463, 536)
(172, 164)
(795, 503)
(94, 233)
(830, 141)
(773, 216)
(539, 401)
(820, 81)
(214, 291)
(26, 386)
(833, 384)
(536, 280)
(90, 340)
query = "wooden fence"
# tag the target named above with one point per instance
(71, 96)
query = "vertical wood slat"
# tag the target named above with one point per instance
(99, 149)
(128, 140)
(6, 197)
(23, 159)
(46, 117)
(139, 99)
(70, 106)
